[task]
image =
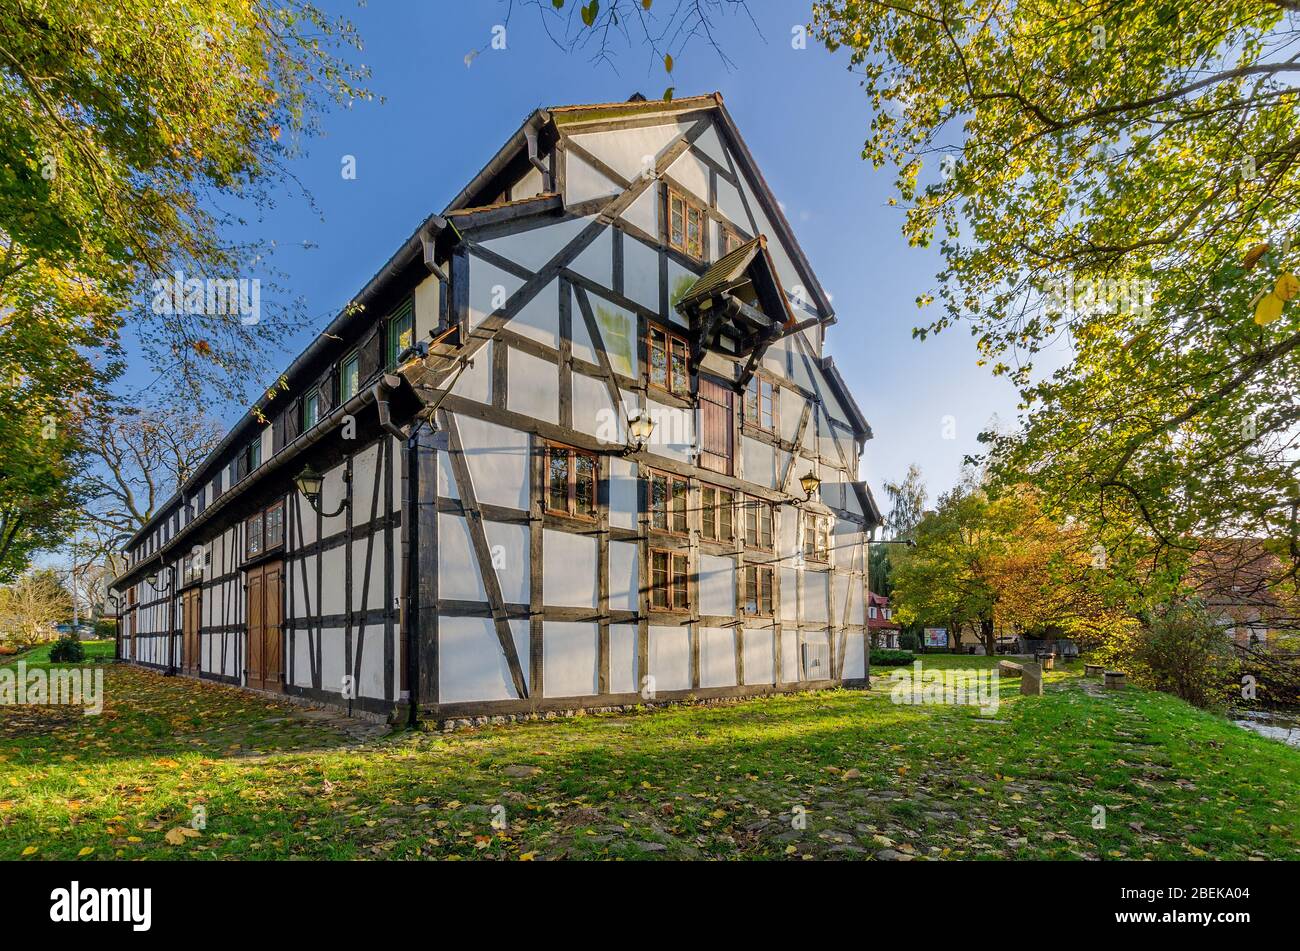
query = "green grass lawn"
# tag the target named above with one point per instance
(95, 651)
(839, 774)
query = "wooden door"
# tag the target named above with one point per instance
(191, 621)
(716, 444)
(265, 614)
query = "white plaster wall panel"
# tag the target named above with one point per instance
(333, 665)
(624, 579)
(674, 431)
(641, 273)
(596, 261)
(374, 594)
(717, 585)
(489, 288)
(333, 572)
(497, 458)
(777, 360)
(818, 643)
(471, 665)
(711, 145)
(426, 307)
(364, 469)
(760, 655)
(693, 175)
(730, 205)
(670, 657)
(303, 519)
(582, 182)
(789, 604)
(593, 413)
(569, 654)
(370, 683)
(717, 657)
(304, 592)
(458, 572)
(855, 667)
(533, 248)
(446, 478)
(839, 595)
(622, 659)
(851, 503)
(785, 269)
(333, 490)
(617, 328)
(855, 615)
(679, 282)
(815, 596)
(846, 550)
(644, 212)
(622, 493)
(760, 462)
(475, 382)
(569, 569)
(787, 532)
(268, 443)
(539, 319)
(792, 405)
(530, 186)
(508, 544)
(629, 151)
(521, 634)
(534, 387)
(302, 647)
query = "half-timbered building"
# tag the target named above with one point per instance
(576, 444)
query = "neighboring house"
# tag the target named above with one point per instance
(880, 622)
(493, 530)
(1233, 578)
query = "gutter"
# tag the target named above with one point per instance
(281, 460)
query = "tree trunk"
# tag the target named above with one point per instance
(987, 635)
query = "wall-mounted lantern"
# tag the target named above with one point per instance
(310, 483)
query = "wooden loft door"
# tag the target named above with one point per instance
(265, 619)
(716, 442)
(191, 621)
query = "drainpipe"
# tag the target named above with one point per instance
(530, 136)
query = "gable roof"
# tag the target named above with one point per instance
(545, 124)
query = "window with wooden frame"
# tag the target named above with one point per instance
(686, 223)
(310, 410)
(761, 404)
(757, 591)
(816, 537)
(668, 581)
(264, 530)
(717, 513)
(571, 478)
(667, 502)
(758, 523)
(401, 332)
(668, 362)
(728, 239)
(349, 377)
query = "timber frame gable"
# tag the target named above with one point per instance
(610, 264)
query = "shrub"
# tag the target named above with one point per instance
(105, 629)
(891, 658)
(909, 641)
(67, 650)
(1182, 651)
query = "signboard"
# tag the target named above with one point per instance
(936, 637)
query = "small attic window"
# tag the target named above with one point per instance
(686, 220)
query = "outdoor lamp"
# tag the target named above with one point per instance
(810, 483)
(639, 431)
(309, 483)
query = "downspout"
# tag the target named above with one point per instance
(410, 547)
(530, 136)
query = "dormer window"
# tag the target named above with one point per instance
(349, 377)
(401, 333)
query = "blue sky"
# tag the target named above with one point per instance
(802, 113)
